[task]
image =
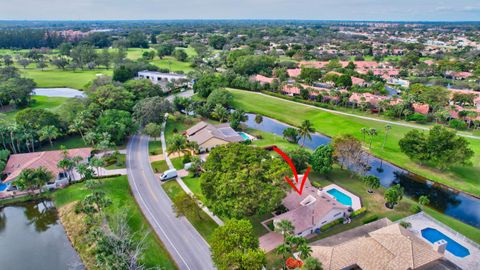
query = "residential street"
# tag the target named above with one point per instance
(184, 243)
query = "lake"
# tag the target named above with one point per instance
(32, 237)
(58, 92)
(456, 204)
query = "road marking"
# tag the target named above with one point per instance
(151, 214)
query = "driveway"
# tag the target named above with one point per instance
(185, 94)
(185, 245)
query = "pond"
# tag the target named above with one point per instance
(458, 205)
(58, 92)
(31, 237)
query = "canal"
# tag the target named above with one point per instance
(452, 203)
(32, 237)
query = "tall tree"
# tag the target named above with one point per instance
(235, 246)
(305, 130)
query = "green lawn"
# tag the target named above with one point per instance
(40, 102)
(119, 164)
(267, 139)
(194, 184)
(63, 78)
(172, 64)
(161, 165)
(155, 147)
(462, 178)
(69, 142)
(118, 190)
(203, 224)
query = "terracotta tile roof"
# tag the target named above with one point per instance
(306, 216)
(262, 79)
(48, 159)
(389, 248)
(357, 81)
(421, 108)
(290, 89)
(294, 72)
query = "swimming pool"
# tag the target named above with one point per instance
(3, 186)
(433, 235)
(340, 196)
(244, 135)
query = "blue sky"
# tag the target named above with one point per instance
(423, 10)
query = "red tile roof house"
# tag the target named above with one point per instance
(48, 159)
(462, 75)
(421, 108)
(262, 79)
(291, 90)
(311, 210)
(292, 73)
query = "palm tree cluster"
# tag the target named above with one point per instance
(291, 243)
(178, 144)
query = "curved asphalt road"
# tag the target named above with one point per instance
(186, 246)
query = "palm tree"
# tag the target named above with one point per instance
(364, 132)
(258, 119)
(97, 163)
(177, 144)
(285, 227)
(78, 125)
(305, 129)
(372, 132)
(387, 129)
(285, 251)
(305, 250)
(49, 132)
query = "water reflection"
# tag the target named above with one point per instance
(455, 204)
(32, 238)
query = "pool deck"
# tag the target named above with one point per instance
(421, 221)
(356, 202)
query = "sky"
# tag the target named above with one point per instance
(376, 10)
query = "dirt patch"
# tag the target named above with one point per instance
(76, 231)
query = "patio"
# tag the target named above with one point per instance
(421, 221)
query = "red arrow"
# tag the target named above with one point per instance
(294, 170)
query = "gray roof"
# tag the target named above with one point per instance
(203, 132)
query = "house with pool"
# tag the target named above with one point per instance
(315, 207)
(208, 136)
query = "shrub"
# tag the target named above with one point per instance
(417, 117)
(358, 212)
(405, 224)
(370, 219)
(187, 158)
(457, 124)
(326, 227)
(415, 208)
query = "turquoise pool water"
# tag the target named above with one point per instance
(340, 196)
(3, 186)
(244, 136)
(433, 235)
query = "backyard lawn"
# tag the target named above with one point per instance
(70, 142)
(202, 223)
(330, 124)
(40, 102)
(118, 190)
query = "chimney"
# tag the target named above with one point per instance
(440, 246)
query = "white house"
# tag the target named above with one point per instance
(164, 78)
(311, 210)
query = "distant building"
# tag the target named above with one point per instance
(208, 136)
(179, 80)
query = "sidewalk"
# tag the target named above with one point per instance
(180, 181)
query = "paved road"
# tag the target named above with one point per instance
(186, 94)
(362, 117)
(186, 246)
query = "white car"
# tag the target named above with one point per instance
(168, 174)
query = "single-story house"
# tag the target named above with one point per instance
(311, 210)
(262, 79)
(390, 247)
(48, 159)
(208, 136)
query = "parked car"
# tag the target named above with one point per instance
(168, 174)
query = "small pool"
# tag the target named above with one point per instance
(433, 235)
(340, 196)
(244, 135)
(3, 186)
